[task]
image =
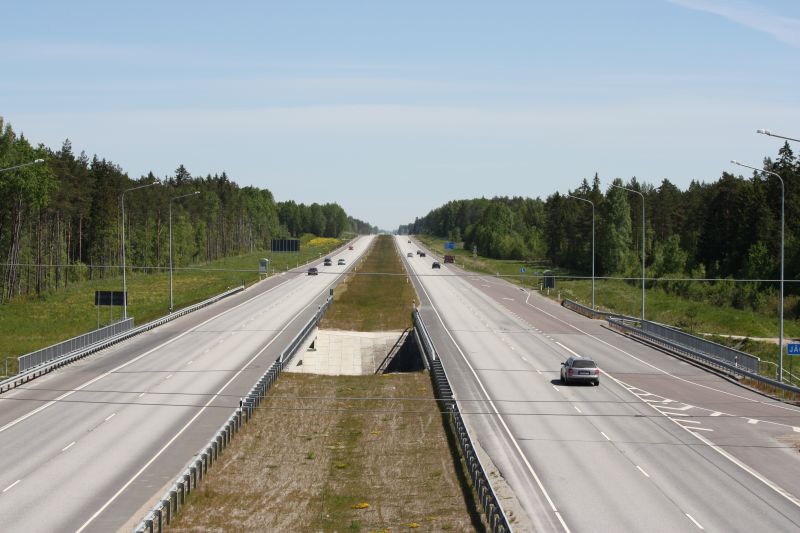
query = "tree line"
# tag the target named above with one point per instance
(723, 231)
(60, 221)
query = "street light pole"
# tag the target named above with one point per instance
(783, 194)
(35, 162)
(592, 203)
(643, 237)
(124, 279)
(170, 242)
(767, 132)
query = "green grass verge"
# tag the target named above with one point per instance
(377, 296)
(28, 324)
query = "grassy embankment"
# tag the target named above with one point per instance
(343, 453)
(621, 297)
(27, 324)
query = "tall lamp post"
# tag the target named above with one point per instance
(124, 279)
(767, 132)
(592, 204)
(34, 162)
(780, 339)
(643, 236)
(170, 242)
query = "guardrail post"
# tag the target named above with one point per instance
(188, 479)
(167, 504)
(182, 492)
(173, 497)
(158, 520)
(193, 470)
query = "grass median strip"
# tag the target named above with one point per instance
(376, 296)
(337, 453)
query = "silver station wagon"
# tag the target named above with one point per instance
(580, 369)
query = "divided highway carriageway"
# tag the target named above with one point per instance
(660, 445)
(91, 446)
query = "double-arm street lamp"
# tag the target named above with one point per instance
(592, 204)
(34, 162)
(170, 242)
(767, 132)
(780, 341)
(124, 279)
(643, 236)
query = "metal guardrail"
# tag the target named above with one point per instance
(712, 349)
(688, 351)
(44, 368)
(498, 522)
(591, 313)
(45, 355)
(717, 351)
(174, 499)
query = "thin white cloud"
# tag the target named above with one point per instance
(783, 28)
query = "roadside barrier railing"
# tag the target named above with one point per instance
(734, 368)
(493, 511)
(168, 506)
(48, 366)
(708, 348)
(45, 355)
(589, 312)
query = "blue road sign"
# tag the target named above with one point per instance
(522, 270)
(450, 245)
(793, 349)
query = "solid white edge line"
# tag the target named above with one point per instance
(695, 521)
(497, 413)
(186, 426)
(11, 486)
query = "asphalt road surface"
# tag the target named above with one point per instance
(660, 445)
(91, 446)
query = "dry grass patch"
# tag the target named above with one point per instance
(327, 453)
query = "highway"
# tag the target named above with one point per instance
(660, 445)
(91, 446)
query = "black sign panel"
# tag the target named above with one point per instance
(109, 298)
(285, 245)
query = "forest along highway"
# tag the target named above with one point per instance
(87, 447)
(660, 445)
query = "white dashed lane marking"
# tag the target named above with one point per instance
(11, 486)
(695, 522)
(68, 446)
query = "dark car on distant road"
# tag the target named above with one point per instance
(580, 369)
(327, 262)
(340, 262)
(313, 271)
(436, 265)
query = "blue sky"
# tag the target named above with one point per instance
(391, 108)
